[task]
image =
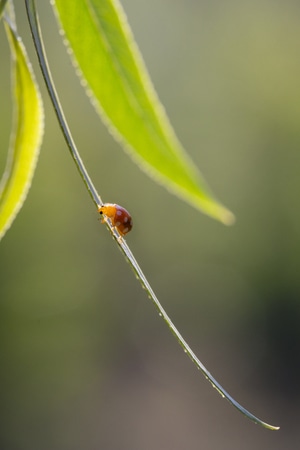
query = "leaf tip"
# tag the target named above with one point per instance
(219, 212)
(270, 427)
(227, 217)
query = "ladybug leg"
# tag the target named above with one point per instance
(102, 217)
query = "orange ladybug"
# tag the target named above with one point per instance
(119, 217)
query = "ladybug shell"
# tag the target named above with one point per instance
(119, 217)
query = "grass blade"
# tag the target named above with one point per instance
(182, 342)
(34, 24)
(26, 135)
(110, 63)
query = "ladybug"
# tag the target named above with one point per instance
(119, 217)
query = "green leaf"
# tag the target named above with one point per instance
(26, 136)
(110, 63)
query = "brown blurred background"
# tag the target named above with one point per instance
(86, 363)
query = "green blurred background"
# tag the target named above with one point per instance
(86, 363)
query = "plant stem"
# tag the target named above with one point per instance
(36, 34)
(39, 46)
(186, 348)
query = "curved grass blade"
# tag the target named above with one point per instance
(34, 24)
(39, 47)
(27, 132)
(110, 63)
(186, 348)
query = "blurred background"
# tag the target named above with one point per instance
(85, 360)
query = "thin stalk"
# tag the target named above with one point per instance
(186, 348)
(39, 46)
(36, 34)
